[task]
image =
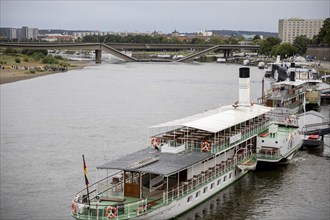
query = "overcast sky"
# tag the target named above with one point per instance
(165, 16)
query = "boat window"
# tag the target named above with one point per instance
(229, 175)
(224, 178)
(219, 181)
(189, 199)
(276, 142)
(212, 185)
(205, 190)
(197, 194)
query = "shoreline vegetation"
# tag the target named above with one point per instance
(13, 73)
(19, 65)
(16, 65)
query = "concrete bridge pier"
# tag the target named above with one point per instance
(228, 53)
(98, 56)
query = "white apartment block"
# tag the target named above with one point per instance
(289, 29)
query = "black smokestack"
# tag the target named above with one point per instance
(292, 76)
(244, 72)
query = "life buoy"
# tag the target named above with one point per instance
(290, 91)
(206, 146)
(74, 208)
(141, 209)
(111, 212)
(155, 142)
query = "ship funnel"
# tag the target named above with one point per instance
(244, 86)
(292, 72)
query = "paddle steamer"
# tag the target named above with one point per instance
(187, 162)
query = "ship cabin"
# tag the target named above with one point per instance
(287, 96)
(184, 155)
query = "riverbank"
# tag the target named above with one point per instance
(25, 71)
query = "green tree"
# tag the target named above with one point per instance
(256, 37)
(196, 40)
(215, 40)
(301, 43)
(284, 50)
(266, 46)
(324, 35)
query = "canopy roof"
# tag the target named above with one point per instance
(218, 119)
(291, 83)
(160, 163)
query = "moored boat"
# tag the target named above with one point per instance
(246, 62)
(249, 164)
(287, 98)
(312, 141)
(221, 60)
(261, 65)
(187, 162)
(279, 142)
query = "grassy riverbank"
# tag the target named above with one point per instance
(18, 66)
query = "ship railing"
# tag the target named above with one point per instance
(269, 155)
(198, 181)
(120, 210)
(246, 132)
(125, 210)
(103, 187)
(222, 142)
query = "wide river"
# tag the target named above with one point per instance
(104, 111)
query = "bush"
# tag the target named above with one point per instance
(49, 60)
(32, 71)
(37, 55)
(9, 50)
(26, 59)
(31, 52)
(58, 57)
(17, 60)
(62, 64)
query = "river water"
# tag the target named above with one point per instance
(103, 111)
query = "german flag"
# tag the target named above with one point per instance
(85, 171)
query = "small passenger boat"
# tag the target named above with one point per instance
(261, 65)
(312, 141)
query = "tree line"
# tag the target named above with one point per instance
(271, 46)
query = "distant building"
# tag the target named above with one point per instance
(24, 33)
(205, 33)
(289, 29)
(9, 33)
(57, 37)
(175, 33)
(28, 33)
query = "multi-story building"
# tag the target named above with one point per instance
(24, 33)
(9, 33)
(289, 29)
(29, 33)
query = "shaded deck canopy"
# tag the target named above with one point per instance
(217, 119)
(164, 164)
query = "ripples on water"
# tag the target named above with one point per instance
(103, 111)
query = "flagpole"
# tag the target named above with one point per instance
(86, 182)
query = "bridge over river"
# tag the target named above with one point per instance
(116, 48)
